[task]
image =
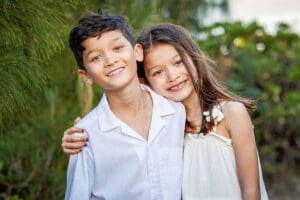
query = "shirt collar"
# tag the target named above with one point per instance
(109, 121)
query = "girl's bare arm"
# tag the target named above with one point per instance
(239, 125)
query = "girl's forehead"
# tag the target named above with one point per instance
(159, 54)
(162, 49)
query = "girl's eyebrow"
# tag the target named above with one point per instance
(157, 65)
(151, 68)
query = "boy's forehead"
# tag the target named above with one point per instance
(104, 40)
(113, 35)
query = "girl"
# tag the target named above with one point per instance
(220, 156)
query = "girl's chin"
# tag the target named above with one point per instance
(176, 98)
(180, 97)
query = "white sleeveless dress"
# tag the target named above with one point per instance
(210, 170)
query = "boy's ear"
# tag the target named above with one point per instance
(138, 50)
(84, 76)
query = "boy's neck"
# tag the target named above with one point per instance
(132, 105)
(128, 98)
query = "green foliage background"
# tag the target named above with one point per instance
(40, 94)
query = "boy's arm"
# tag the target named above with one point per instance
(79, 176)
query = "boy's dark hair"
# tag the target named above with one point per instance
(94, 25)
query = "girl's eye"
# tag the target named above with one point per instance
(117, 48)
(178, 62)
(158, 72)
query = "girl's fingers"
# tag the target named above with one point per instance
(72, 130)
(71, 151)
(77, 120)
(73, 140)
(74, 134)
(74, 145)
(73, 148)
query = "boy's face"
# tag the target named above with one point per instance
(110, 60)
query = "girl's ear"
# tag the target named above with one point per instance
(138, 50)
(142, 80)
(84, 76)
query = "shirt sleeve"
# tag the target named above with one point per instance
(80, 176)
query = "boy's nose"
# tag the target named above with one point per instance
(109, 60)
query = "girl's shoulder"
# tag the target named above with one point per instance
(233, 108)
(236, 117)
(224, 110)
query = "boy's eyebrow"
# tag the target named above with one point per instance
(91, 51)
(114, 39)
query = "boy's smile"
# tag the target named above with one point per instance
(115, 72)
(110, 60)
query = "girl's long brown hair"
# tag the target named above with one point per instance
(210, 89)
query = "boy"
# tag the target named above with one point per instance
(135, 136)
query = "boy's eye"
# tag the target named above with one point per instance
(117, 48)
(158, 72)
(95, 58)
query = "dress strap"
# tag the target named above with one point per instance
(216, 114)
(222, 103)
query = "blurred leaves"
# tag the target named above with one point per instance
(264, 67)
(37, 86)
(32, 32)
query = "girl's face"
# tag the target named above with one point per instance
(166, 73)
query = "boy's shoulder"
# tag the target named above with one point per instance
(89, 120)
(177, 105)
(163, 103)
(166, 106)
(99, 118)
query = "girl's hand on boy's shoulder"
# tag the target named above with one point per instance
(73, 139)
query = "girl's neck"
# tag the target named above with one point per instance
(193, 112)
(192, 102)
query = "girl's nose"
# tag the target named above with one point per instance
(172, 75)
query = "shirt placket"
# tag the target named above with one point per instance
(153, 174)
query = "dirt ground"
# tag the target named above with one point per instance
(284, 188)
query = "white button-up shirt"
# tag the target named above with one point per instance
(119, 164)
